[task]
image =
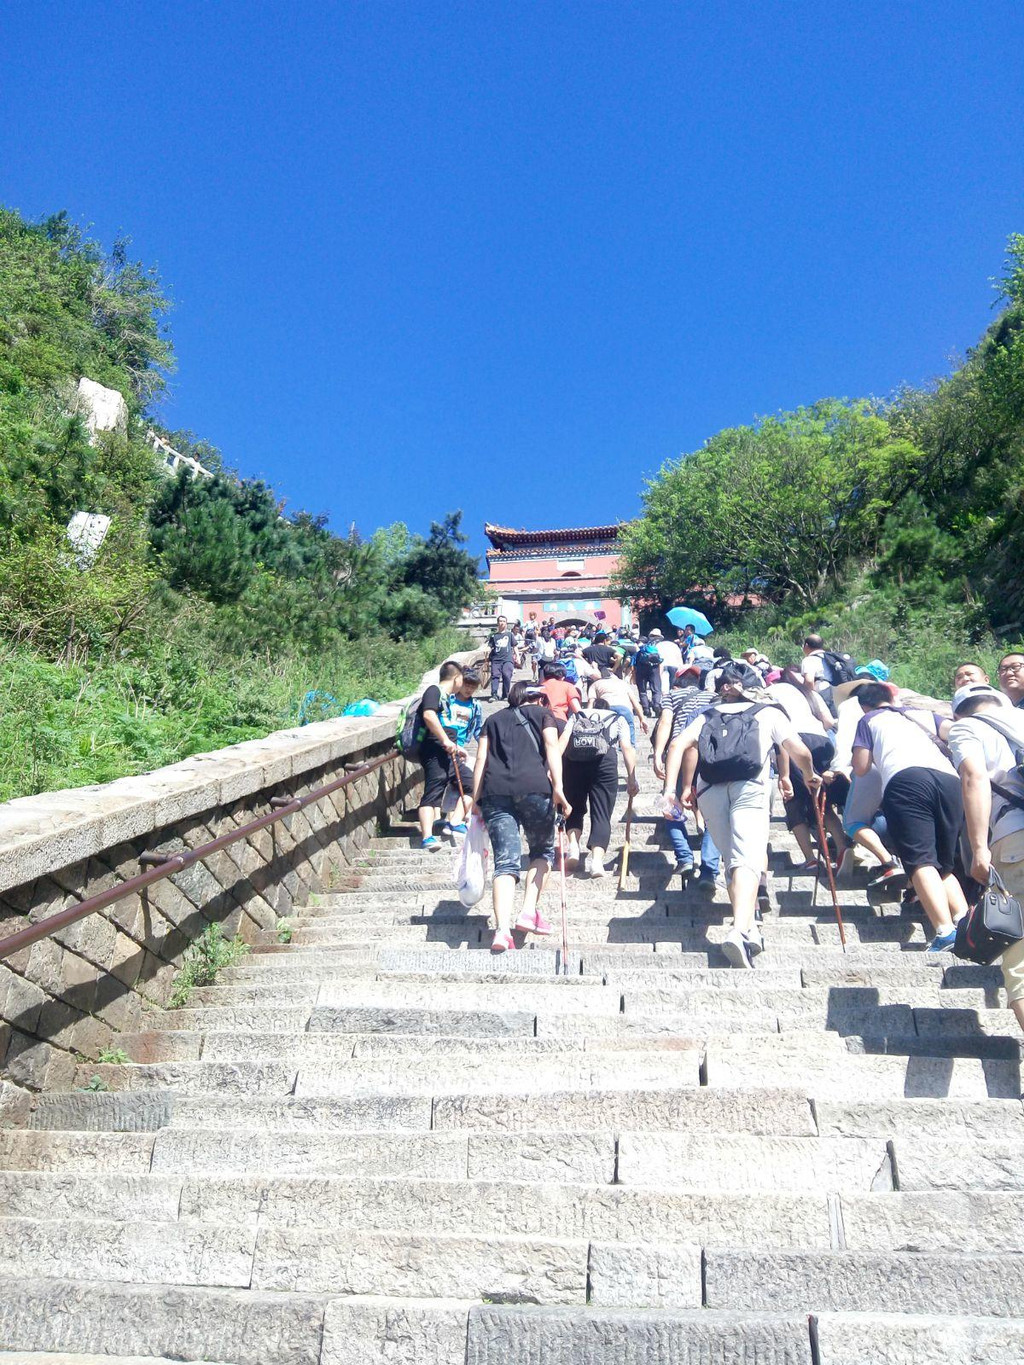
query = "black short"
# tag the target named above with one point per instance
(924, 812)
(837, 791)
(438, 771)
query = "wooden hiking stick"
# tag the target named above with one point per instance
(624, 857)
(560, 826)
(819, 811)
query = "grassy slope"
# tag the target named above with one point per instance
(64, 726)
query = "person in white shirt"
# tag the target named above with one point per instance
(858, 800)
(920, 798)
(812, 666)
(985, 740)
(738, 811)
(814, 723)
(671, 658)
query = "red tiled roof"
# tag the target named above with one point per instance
(504, 537)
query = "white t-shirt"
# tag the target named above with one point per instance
(793, 701)
(973, 738)
(615, 691)
(774, 727)
(812, 666)
(850, 716)
(901, 739)
(671, 656)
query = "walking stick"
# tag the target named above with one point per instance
(624, 858)
(819, 811)
(560, 826)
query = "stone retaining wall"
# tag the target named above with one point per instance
(73, 993)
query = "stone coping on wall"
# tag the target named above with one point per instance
(52, 830)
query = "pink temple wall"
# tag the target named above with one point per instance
(520, 579)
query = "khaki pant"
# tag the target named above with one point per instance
(1008, 861)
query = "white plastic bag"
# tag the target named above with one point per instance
(470, 869)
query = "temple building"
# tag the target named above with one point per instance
(562, 574)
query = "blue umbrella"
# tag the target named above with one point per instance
(686, 616)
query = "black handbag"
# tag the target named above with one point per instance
(992, 925)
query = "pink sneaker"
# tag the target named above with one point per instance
(503, 943)
(534, 924)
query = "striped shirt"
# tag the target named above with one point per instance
(685, 703)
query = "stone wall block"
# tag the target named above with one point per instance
(60, 1070)
(44, 965)
(126, 960)
(57, 1021)
(166, 899)
(23, 1002)
(78, 982)
(27, 1060)
(15, 1105)
(90, 1035)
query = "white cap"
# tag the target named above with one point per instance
(652, 633)
(963, 694)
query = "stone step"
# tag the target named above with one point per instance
(290, 1258)
(471, 1206)
(244, 1327)
(802, 1061)
(917, 1339)
(754, 1164)
(961, 1220)
(30, 1150)
(913, 1118)
(767, 1110)
(62, 1358)
(181, 1252)
(570, 995)
(506, 1269)
(859, 1281)
(325, 1075)
(527, 1156)
(527, 1334)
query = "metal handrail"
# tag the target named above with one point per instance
(53, 923)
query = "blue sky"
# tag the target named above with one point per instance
(511, 257)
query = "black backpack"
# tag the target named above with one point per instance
(729, 746)
(589, 740)
(839, 668)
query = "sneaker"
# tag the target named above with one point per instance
(811, 865)
(736, 948)
(942, 943)
(683, 869)
(845, 867)
(458, 831)
(888, 884)
(534, 924)
(754, 942)
(431, 844)
(707, 883)
(597, 868)
(766, 902)
(503, 943)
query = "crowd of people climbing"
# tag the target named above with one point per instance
(928, 792)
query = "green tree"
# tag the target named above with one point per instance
(781, 506)
(442, 568)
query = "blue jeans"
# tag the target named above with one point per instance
(503, 816)
(710, 858)
(627, 716)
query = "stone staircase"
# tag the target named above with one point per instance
(378, 1145)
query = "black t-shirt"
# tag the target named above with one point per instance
(515, 757)
(502, 647)
(433, 699)
(601, 655)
